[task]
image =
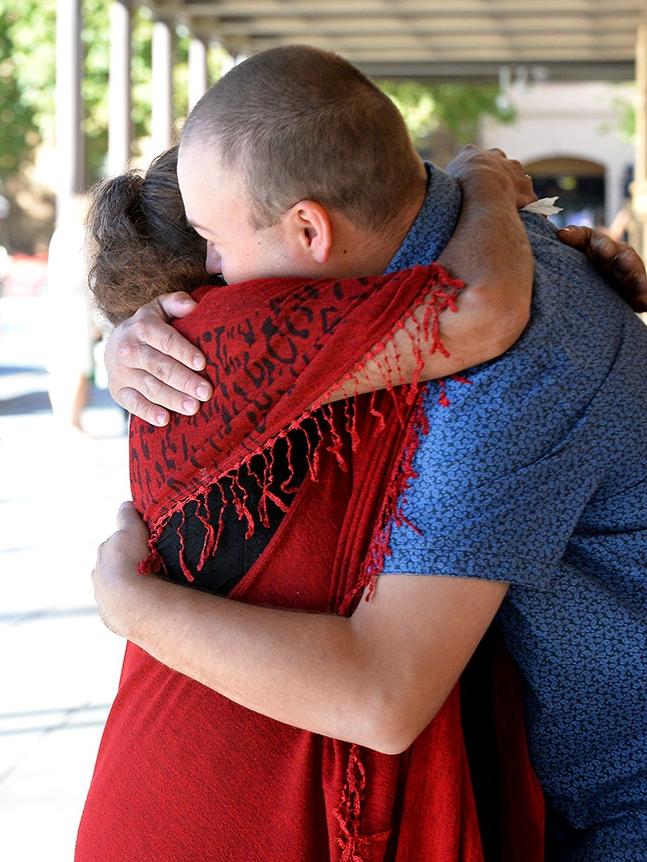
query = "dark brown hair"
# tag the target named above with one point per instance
(140, 244)
(304, 124)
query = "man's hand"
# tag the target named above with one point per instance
(115, 576)
(618, 262)
(366, 678)
(150, 364)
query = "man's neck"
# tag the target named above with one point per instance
(359, 254)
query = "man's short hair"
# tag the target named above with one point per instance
(304, 124)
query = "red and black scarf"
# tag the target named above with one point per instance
(275, 349)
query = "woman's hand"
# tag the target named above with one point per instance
(116, 582)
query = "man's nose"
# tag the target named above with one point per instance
(213, 264)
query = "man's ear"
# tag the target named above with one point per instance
(311, 228)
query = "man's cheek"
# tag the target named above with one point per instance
(213, 262)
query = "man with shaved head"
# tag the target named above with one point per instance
(527, 504)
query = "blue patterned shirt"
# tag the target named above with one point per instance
(537, 475)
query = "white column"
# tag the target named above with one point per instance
(198, 71)
(614, 176)
(162, 83)
(639, 191)
(70, 178)
(119, 88)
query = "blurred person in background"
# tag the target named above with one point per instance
(71, 329)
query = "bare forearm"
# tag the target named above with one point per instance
(490, 252)
(307, 670)
(376, 678)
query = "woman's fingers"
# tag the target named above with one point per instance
(630, 274)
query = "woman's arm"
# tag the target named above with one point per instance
(490, 252)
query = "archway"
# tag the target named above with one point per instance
(579, 183)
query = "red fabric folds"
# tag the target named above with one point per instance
(233, 784)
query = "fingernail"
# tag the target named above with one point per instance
(198, 362)
(203, 392)
(190, 405)
(160, 419)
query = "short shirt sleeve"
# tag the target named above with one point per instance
(502, 476)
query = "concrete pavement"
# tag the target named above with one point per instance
(59, 666)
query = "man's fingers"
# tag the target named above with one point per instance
(141, 407)
(149, 398)
(128, 518)
(126, 515)
(164, 372)
(151, 367)
(150, 386)
(148, 329)
(178, 304)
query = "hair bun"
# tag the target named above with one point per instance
(115, 216)
(140, 243)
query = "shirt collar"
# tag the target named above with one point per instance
(434, 224)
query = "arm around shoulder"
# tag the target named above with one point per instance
(490, 252)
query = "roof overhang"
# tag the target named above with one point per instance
(439, 39)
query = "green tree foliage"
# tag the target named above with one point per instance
(456, 108)
(625, 111)
(20, 126)
(27, 84)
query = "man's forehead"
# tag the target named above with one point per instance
(213, 195)
(199, 166)
(189, 158)
(196, 182)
